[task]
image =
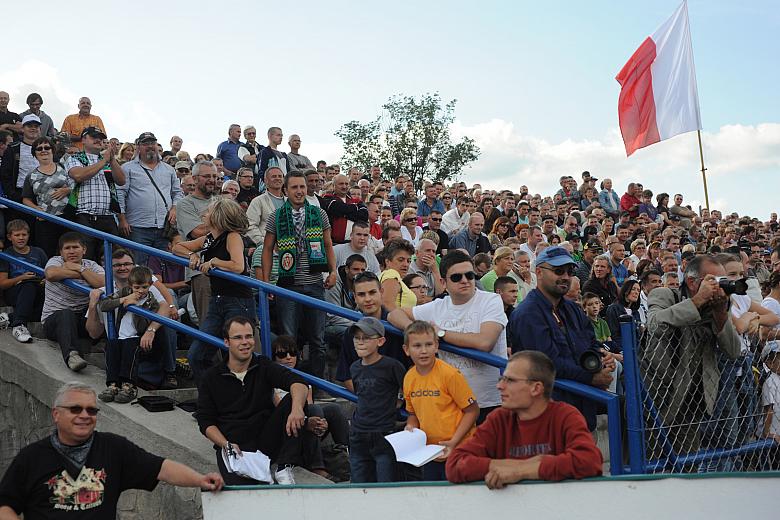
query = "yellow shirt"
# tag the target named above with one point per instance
(438, 400)
(407, 298)
(74, 124)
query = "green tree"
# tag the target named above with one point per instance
(411, 137)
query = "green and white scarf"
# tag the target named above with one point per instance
(295, 231)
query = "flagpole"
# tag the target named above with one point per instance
(703, 171)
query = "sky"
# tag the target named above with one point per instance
(534, 81)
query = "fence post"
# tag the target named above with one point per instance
(108, 251)
(265, 323)
(634, 414)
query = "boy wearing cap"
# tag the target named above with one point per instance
(438, 398)
(378, 381)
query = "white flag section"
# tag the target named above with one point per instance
(658, 96)
(674, 77)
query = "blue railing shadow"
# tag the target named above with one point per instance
(608, 399)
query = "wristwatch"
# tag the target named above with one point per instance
(441, 333)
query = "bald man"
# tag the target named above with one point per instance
(472, 239)
(74, 124)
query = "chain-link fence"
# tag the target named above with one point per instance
(702, 398)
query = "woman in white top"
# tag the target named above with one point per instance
(409, 229)
(772, 303)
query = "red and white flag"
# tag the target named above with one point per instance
(658, 95)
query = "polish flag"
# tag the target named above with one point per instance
(658, 95)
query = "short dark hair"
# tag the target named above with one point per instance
(367, 276)
(290, 175)
(241, 320)
(503, 281)
(140, 274)
(540, 368)
(42, 140)
(120, 252)
(646, 274)
(351, 259)
(33, 97)
(287, 343)
(397, 245)
(452, 258)
(70, 236)
(17, 225)
(362, 224)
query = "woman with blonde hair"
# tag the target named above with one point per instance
(221, 248)
(409, 229)
(503, 262)
(499, 232)
(126, 152)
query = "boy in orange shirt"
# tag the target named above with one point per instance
(438, 397)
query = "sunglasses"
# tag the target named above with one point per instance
(76, 409)
(281, 354)
(457, 277)
(44, 148)
(411, 219)
(560, 271)
(435, 219)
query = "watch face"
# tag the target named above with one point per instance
(440, 333)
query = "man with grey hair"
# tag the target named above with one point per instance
(249, 152)
(426, 266)
(297, 161)
(189, 221)
(79, 469)
(228, 150)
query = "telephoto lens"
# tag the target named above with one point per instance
(730, 287)
(590, 360)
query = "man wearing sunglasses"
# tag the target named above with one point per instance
(465, 318)
(82, 471)
(547, 322)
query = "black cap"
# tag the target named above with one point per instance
(93, 131)
(594, 245)
(547, 217)
(145, 138)
(573, 236)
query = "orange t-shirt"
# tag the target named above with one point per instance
(438, 400)
(74, 124)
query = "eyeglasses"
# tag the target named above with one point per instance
(239, 337)
(281, 354)
(456, 277)
(44, 148)
(183, 170)
(123, 264)
(363, 339)
(76, 409)
(508, 380)
(246, 176)
(415, 287)
(561, 270)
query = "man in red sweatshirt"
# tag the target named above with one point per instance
(530, 437)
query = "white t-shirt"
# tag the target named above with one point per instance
(484, 306)
(770, 395)
(126, 326)
(740, 304)
(774, 306)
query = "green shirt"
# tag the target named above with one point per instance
(601, 329)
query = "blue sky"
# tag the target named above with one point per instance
(534, 80)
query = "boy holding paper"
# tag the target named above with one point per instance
(438, 397)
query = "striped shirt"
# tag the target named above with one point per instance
(60, 297)
(302, 274)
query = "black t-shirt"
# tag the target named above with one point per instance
(10, 118)
(217, 248)
(377, 387)
(40, 483)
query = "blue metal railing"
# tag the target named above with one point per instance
(608, 399)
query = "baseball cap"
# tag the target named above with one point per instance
(594, 246)
(146, 137)
(31, 119)
(370, 326)
(573, 236)
(183, 164)
(556, 256)
(94, 132)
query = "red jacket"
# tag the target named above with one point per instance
(339, 212)
(560, 434)
(626, 201)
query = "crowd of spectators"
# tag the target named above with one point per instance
(495, 271)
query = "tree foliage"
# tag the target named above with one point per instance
(411, 137)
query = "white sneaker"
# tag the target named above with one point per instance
(284, 476)
(76, 362)
(21, 334)
(4, 320)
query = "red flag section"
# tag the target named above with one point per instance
(636, 104)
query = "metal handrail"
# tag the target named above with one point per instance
(610, 400)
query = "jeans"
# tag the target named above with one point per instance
(151, 237)
(371, 458)
(434, 471)
(27, 300)
(290, 316)
(105, 223)
(338, 427)
(123, 357)
(66, 327)
(221, 309)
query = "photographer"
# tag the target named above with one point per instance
(547, 322)
(678, 359)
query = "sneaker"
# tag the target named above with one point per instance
(284, 476)
(21, 334)
(127, 394)
(5, 320)
(109, 393)
(76, 362)
(169, 382)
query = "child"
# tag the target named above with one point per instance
(438, 397)
(172, 275)
(20, 286)
(592, 307)
(121, 356)
(378, 381)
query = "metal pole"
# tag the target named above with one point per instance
(633, 396)
(703, 171)
(265, 323)
(108, 251)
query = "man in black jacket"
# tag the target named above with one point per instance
(236, 410)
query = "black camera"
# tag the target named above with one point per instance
(733, 286)
(590, 361)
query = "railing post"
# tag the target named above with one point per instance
(265, 323)
(634, 406)
(109, 274)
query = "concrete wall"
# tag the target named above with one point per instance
(29, 378)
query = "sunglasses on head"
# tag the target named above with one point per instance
(76, 409)
(457, 277)
(281, 354)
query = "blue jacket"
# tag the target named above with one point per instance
(533, 327)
